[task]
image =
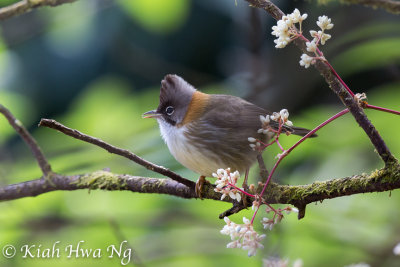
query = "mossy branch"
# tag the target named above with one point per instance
(25, 6)
(385, 179)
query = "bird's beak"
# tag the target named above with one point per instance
(151, 114)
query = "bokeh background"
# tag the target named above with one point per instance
(96, 65)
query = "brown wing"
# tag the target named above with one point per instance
(224, 128)
(233, 119)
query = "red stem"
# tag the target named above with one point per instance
(382, 109)
(254, 215)
(242, 191)
(280, 146)
(340, 79)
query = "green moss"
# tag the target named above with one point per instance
(151, 187)
(102, 180)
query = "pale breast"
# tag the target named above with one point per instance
(201, 161)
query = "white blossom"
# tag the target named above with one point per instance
(290, 209)
(265, 131)
(396, 250)
(320, 36)
(275, 116)
(361, 97)
(275, 262)
(243, 236)
(325, 37)
(226, 180)
(289, 123)
(285, 29)
(311, 46)
(298, 263)
(251, 139)
(234, 244)
(324, 23)
(284, 114)
(264, 120)
(281, 117)
(268, 223)
(361, 264)
(314, 34)
(306, 60)
(296, 17)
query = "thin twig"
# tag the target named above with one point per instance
(25, 6)
(29, 140)
(115, 150)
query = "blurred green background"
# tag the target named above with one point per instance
(96, 65)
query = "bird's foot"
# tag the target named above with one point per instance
(199, 186)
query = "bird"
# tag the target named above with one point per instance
(207, 132)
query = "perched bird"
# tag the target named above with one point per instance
(207, 132)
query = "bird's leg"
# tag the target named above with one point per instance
(245, 187)
(199, 186)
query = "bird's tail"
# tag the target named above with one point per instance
(300, 131)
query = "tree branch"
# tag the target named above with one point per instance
(388, 5)
(115, 150)
(25, 6)
(29, 140)
(350, 102)
(385, 179)
(96, 180)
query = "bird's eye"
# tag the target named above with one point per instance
(169, 110)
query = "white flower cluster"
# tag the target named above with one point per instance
(324, 23)
(286, 30)
(225, 178)
(361, 264)
(243, 236)
(256, 144)
(281, 117)
(278, 262)
(396, 250)
(269, 223)
(319, 37)
(306, 60)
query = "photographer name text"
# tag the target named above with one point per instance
(123, 252)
